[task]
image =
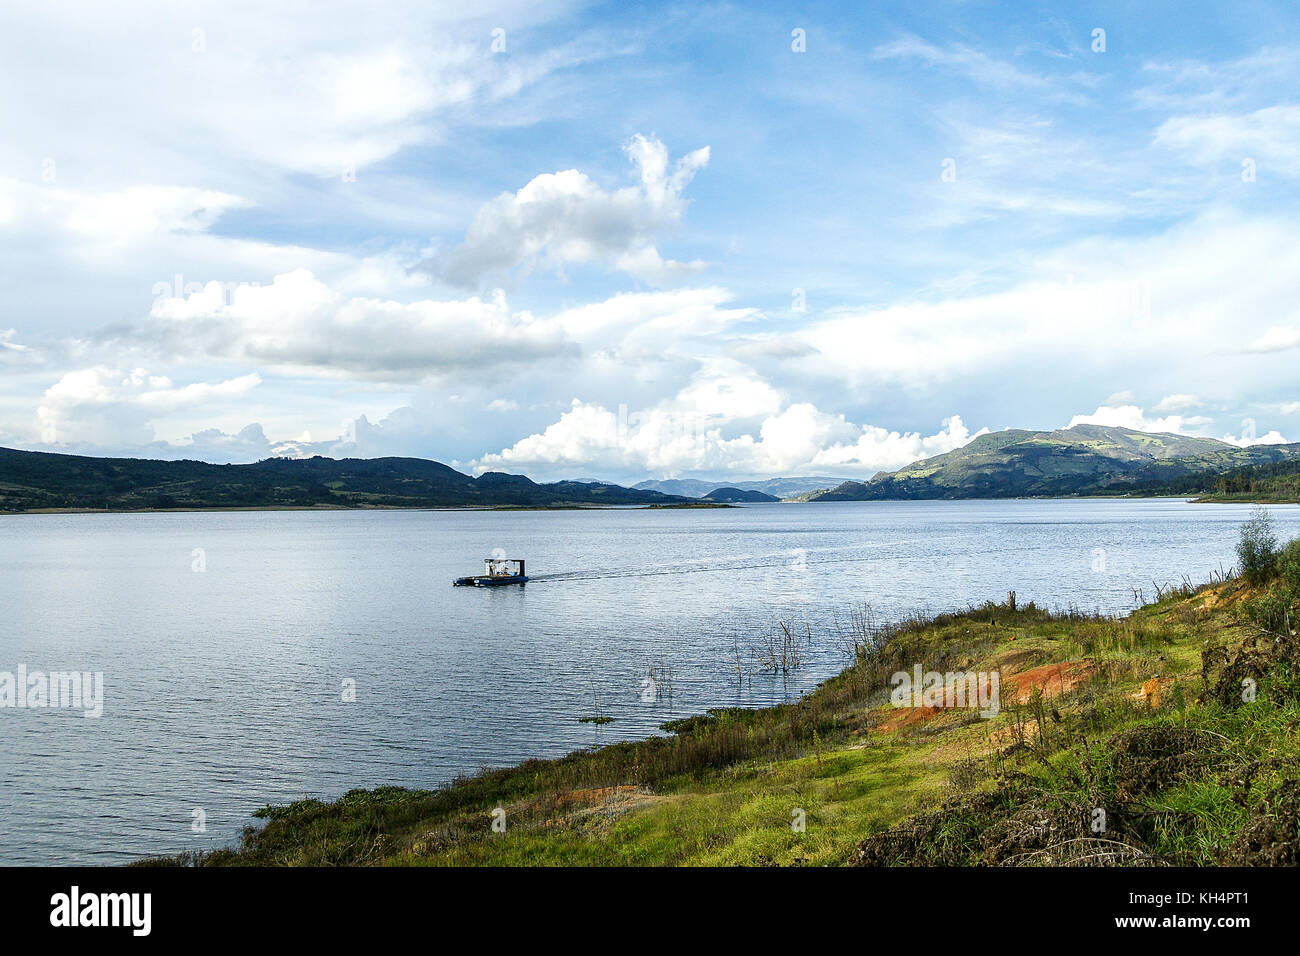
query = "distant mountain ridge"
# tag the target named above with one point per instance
(734, 495)
(1083, 460)
(42, 480)
(777, 487)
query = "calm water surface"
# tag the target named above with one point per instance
(224, 687)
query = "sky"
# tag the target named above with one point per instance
(626, 241)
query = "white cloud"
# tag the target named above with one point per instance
(102, 225)
(300, 323)
(1279, 338)
(655, 323)
(88, 258)
(1131, 416)
(219, 108)
(1246, 439)
(1270, 136)
(1191, 296)
(7, 343)
(1208, 87)
(977, 65)
(565, 218)
(129, 214)
(1179, 402)
(260, 86)
(212, 444)
(880, 449)
(726, 422)
(101, 386)
(108, 406)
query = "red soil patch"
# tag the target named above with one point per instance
(906, 716)
(1153, 690)
(1052, 679)
(1221, 596)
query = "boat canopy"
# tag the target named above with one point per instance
(503, 567)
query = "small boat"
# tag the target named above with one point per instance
(496, 572)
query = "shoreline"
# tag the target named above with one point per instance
(676, 506)
(456, 508)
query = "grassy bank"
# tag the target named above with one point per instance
(1165, 737)
(1248, 498)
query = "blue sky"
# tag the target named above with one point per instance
(656, 240)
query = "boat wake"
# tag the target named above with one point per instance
(795, 559)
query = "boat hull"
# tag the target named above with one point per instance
(490, 581)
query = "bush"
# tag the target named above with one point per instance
(1257, 547)
(1288, 566)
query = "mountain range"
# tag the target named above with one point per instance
(1083, 460)
(776, 487)
(39, 480)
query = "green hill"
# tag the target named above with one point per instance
(1083, 460)
(33, 481)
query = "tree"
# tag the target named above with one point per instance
(1257, 547)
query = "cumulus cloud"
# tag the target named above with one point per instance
(212, 444)
(1133, 417)
(108, 406)
(565, 218)
(799, 439)
(726, 422)
(1248, 436)
(299, 322)
(880, 449)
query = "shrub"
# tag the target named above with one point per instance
(1288, 566)
(1271, 611)
(1257, 547)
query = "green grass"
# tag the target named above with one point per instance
(1200, 779)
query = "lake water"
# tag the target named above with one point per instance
(226, 639)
